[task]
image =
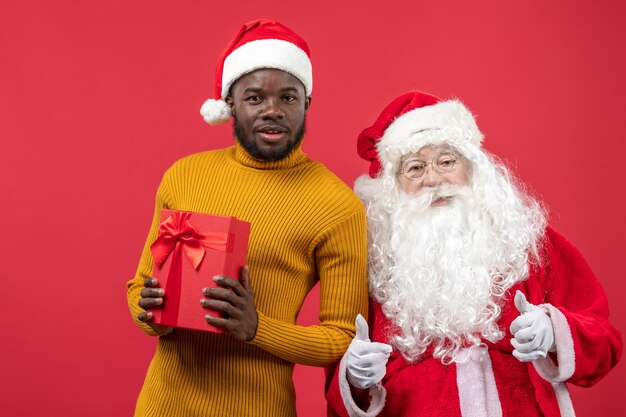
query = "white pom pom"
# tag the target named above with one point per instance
(215, 112)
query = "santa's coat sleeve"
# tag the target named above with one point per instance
(587, 345)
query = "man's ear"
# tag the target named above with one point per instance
(229, 101)
(307, 103)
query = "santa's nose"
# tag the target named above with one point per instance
(431, 178)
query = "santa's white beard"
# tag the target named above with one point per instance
(439, 272)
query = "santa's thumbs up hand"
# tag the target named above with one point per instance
(521, 303)
(362, 329)
(365, 361)
(533, 335)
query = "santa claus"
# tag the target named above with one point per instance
(478, 307)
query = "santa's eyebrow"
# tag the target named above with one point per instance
(446, 150)
(411, 159)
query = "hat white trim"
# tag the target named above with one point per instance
(447, 122)
(267, 53)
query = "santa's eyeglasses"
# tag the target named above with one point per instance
(414, 169)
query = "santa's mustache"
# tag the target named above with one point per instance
(423, 199)
(441, 190)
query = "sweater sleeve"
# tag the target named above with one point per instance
(146, 263)
(587, 344)
(341, 258)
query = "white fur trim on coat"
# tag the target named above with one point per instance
(476, 384)
(377, 395)
(267, 53)
(557, 375)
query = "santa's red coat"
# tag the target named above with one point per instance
(587, 347)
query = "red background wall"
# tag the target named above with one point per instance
(97, 99)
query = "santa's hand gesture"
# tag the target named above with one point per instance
(533, 336)
(366, 361)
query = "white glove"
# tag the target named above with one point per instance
(532, 331)
(366, 361)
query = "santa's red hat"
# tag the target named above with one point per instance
(411, 121)
(259, 44)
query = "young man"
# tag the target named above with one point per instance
(478, 306)
(305, 225)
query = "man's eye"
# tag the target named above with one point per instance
(289, 98)
(415, 168)
(447, 162)
(254, 99)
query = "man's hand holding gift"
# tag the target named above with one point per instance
(235, 301)
(152, 297)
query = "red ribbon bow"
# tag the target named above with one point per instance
(176, 233)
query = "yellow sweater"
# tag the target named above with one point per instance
(306, 225)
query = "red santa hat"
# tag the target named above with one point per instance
(411, 121)
(259, 44)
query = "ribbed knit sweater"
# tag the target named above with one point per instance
(305, 225)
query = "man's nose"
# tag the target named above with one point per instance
(272, 109)
(431, 177)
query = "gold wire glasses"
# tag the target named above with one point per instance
(414, 169)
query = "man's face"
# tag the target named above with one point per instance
(269, 108)
(438, 164)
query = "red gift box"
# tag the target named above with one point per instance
(189, 251)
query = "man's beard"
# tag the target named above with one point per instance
(439, 273)
(271, 155)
